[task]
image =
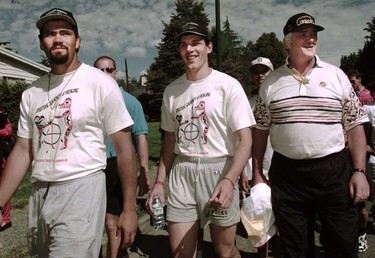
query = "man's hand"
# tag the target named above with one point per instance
(143, 182)
(359, 187)
(244, 184)
(223, 194)
(127, 227)
(158, 189)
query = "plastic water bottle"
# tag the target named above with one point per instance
(157, 213)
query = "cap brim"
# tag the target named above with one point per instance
(266, 65)
(317, 27)
(178, 37)
(40, 23)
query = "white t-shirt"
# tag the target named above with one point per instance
(370, 110)
(71, 145)
(205, 113)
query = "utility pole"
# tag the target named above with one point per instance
(127, 76)
(218, 34)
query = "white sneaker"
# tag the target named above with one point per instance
(362, 243)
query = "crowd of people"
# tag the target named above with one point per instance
(308, 133)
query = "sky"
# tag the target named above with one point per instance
(130, 29)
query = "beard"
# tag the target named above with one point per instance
(58, 59)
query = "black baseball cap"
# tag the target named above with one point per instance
(193, 28)
(299, 22)
(56, 14)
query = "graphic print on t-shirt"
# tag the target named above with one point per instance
(55, 130)
(193, 129)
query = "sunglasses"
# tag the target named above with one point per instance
(108, 69)
(353, 81)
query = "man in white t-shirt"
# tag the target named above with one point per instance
(64, 118)
(206, 119)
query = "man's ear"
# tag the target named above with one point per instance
(210, 47)
(78, 43)
(287, 42)
(40, 44)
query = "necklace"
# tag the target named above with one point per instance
(301, 79)
(52, 106)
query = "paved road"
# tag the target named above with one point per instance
(154, 244)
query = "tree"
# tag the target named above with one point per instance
(236, 57)
(10, 97)
(350, 62)
(167, 66)
(44, 61)
(364, 59)
(267, 45)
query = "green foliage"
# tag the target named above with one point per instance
(154, 142)
(364, 59)
(350, 62)
(236, 57)
(10, 97)
(21, 197)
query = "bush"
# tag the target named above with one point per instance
(10, 97)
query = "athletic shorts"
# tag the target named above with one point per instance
(114, 189)
(191, 184)
(66, 219)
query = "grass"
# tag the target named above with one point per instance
(154, 142)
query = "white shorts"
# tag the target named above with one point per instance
(191, 184)
(66, 219)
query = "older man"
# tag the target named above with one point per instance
(308, 105)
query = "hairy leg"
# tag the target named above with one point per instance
(114, 241)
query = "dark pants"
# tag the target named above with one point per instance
(114, 189)
(302, 189)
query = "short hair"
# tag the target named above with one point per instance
(105, 57)
(287, 37)
(355, 73)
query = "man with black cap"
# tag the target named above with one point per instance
(308, 106)
(206, 118)
(64, 118)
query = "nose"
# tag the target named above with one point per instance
(189, 47)
(57, 37)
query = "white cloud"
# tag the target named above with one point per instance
(132, 28)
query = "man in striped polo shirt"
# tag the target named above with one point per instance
(308, 106)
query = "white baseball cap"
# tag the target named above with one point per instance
(262, 61)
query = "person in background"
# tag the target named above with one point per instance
(363, 93)
(365, 98)
(364, 214)
(260, 67)
(206, 119)
(5, 133)
(113, 184)
(305, 106)
(64, 117)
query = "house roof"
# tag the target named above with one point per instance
(15, 66)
